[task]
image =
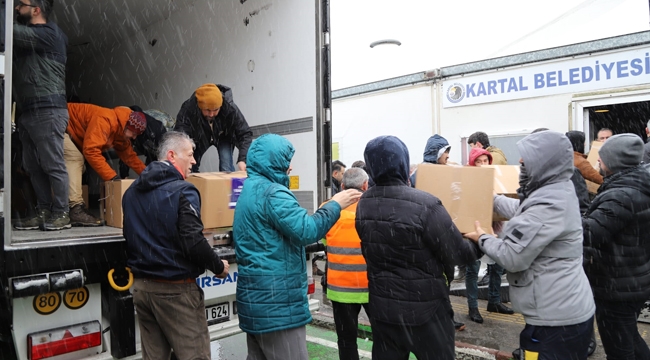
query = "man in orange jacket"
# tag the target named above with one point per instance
(91, 130)
(347, 280)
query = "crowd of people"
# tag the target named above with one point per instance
(59, 138)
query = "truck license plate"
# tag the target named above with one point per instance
(217, 313)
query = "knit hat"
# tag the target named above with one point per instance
(621, 152)
(209, 97)
(137, 123)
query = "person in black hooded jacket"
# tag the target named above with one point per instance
(408, 241)
(210, 117)
(617, 247)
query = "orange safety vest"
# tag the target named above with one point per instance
(347, 278)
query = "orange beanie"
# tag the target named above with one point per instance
(209, 97)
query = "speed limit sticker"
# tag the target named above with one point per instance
(46, 304)
(76, 298)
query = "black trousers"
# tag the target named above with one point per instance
(346, 319)
(557, 342)
(432, 340)
(618, 330)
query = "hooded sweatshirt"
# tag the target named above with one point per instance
(163, 228)
(407, 238)
(271, 230)
(435, 147)
(476, 153)
(541, 245)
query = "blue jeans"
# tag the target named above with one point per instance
(471, 279)
(41, 133)
(618, 330)
(225, 149)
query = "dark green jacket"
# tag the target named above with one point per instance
(39, 66)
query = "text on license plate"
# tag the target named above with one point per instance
(217, 312)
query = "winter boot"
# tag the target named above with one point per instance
(33, 223)
(80, 217)
(57, 221)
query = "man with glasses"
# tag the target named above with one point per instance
(210, 117)
(39, 85)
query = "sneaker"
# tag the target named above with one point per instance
(33, 223)
(499, 308)
(57, 221)
(80, 217)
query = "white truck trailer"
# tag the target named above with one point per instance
(55, 297)
(587, 86)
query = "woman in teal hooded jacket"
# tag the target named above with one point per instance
(270, 231)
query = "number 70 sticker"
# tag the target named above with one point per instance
(46, 304)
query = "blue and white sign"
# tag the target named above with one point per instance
(594, 72)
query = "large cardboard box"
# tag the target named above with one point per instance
(592, 187)
(506, 182)
(506, 179)
(465, 191)
(112, 209)
(219, 193)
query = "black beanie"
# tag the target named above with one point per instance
(621, 152)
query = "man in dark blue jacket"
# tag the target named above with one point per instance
(409, 242)
(166, 252)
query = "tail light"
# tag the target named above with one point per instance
(311, 286)
(65, 340)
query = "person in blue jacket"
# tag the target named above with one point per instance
(270, 232)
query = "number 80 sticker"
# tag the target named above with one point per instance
(76, 298)
(46, 304)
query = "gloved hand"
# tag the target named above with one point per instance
(116, 178)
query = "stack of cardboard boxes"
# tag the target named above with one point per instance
(219, 194)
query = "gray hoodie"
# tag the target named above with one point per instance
(541, 245)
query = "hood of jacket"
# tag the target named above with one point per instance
(122, 113)
(475, 153)
(432, 149)
(157, 174)
(270, 156)
(548, 158)
(387, 159)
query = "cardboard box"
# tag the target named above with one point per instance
(592, 187)
(112, 208)
(465, 191)
(219, 193)
(506, 179)
(506, 182)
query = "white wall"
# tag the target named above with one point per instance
(504, 117)
(403, 112)
(270, 64)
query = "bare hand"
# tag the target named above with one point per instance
(475, 234)
(226, 267)
(242, 166)
(346, 198)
